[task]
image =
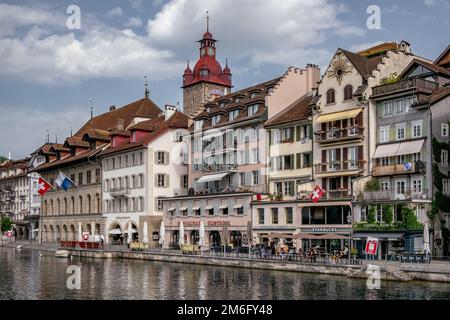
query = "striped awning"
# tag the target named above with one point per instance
(335, 116)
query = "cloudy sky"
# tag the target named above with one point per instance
(49, 73)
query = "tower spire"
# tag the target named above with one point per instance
(146, 92)
(207, 21)
(92, 108)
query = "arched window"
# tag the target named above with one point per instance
(51, 207)
(45, 207)
(58, 206)
(99, 203)
(348, 92)
(81, 204)
(331, 96)
(65, 205)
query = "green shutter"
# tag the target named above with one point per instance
(298, 131)
(299, 161)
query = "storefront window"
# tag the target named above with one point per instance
(274, 215)
(305, 215)
(317, 215)
(334, 215)
(261, 215)
(289, 217)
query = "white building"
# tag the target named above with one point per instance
(144, 161)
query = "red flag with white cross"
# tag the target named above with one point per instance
(317, 194)
(43, 186)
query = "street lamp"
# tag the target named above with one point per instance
(349, 220)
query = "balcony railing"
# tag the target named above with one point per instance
(259, 188)
(417, 167)
(336, 135)
(119, 192)
(392, 194)
(219, 167)
(339, 166)
(406, 84)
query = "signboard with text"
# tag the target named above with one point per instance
(371, 246)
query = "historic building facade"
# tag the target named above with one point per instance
(143, 163)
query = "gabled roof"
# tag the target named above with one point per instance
(444, 54)
(438, 95)
(76, 142)
(97, 134)
(364, 65)
(297, 111)
(431, 66)
(143, 108)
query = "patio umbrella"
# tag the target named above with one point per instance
(145, 233)
(426, 239)
(80, 232)
(181, 236)
(201, 236)
(162, 234)
(130, 232)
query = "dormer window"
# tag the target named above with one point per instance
(198, 124)
(222, 104)
(215, 119)
(252, 110)
(252, 95)
(236, 100)
(233, 115)
(133, 136)
(208, 109)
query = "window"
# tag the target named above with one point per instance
(288, 162)
(222, 104)
(401, 159)
(289, 188)
(255, 175)
(252, 110)
(252, 95)
(88, 177)
(196, 211)
(236, 100)
(184, 212)
(141, 180)
(444, 158)
(445, 188)
(178, 136)
(416, 129)
(384, 134)
(215, 119)
(352, 159)
(159, 205)
(198, 124)
(97, 175)
(240, 210)
(384, 185)
(348, 92)
(233, 115)
(400, 187)
(204, 72)
(80, 178)
(260, 215)
(279, 187)
(274, 215)
(210, 211)
(384, 161)
(307, 160)
(225, 211)
(388, 109)
(400, 106)
(400, 131)
(208, 109)
(161, 180)
(161, 157)
(242, 179)
(444, 129)
(330, 96)
(289, 216)
(416, 157)
(417, 185)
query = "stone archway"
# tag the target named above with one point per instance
(194, 237)
(135, 232)
(45, 234)
(214, 238)
(72, 233)
(175, 238)
(115, 233)
(236, 238)
(65, 233)
(58, 233)
(51, 233)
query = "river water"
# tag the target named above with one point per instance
(28, 275)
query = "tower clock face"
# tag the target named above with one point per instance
(202, 52)
(210, 52)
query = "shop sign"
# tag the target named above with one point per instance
(371, 246)
(325, 230)
(122, 217)
(211, 223)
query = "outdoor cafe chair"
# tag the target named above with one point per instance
(411, 258)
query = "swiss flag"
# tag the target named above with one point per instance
(43, 186)
(317, 194)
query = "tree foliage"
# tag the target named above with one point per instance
(373, 185)
(388, 214)
(371, 214)
(6, 224)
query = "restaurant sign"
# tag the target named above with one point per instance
(211, 223)
(325, 230)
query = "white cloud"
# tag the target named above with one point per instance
(264, 32)
(32, 125)
(115, 12)
(430, 3)
(134, 22)
(136, 4)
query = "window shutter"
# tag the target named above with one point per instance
(338, 154)
(291, 136)
(359, 119)
(156, 180)
(272, 164)
(345, 183)
(345, 157)
(324, 160)
(166, 158)
(324, 183)
(299, 160)
(166, 181)
(156, 157)
(360, 153)
(298, 132)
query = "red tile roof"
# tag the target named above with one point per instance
(299, 110)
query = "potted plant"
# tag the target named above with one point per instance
(271, 196)
(279, 197)
(353, 253)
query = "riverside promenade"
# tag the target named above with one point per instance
(438, 271)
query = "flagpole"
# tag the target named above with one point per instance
(47, 183)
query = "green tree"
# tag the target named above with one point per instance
(371, 214)
(388, 214)
(6, 224)
(2, 159)
(373, 185)
(409, 218)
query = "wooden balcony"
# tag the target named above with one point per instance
(336, 168)
(395, 169)
(404, 85)
(391, 195)
(340, 135)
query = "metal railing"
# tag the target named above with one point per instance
(116, 192)
(399, 169)
(406, 84)
(339, 134)
(392, 194)
(337, 166)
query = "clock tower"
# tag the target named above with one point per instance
(207, 79)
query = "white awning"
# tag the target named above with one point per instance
(208, 207)
(183, 208)
(35, 230)
(238, 206)
(410, 147)
(171, 209)
(195, 208)
(212, 177)
(386, 150)
(115, 231)
(224, 206)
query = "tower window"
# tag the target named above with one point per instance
(204, 72)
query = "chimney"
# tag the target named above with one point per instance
(120, 124)
(112, 108)
(312, 76)
(169, 111)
